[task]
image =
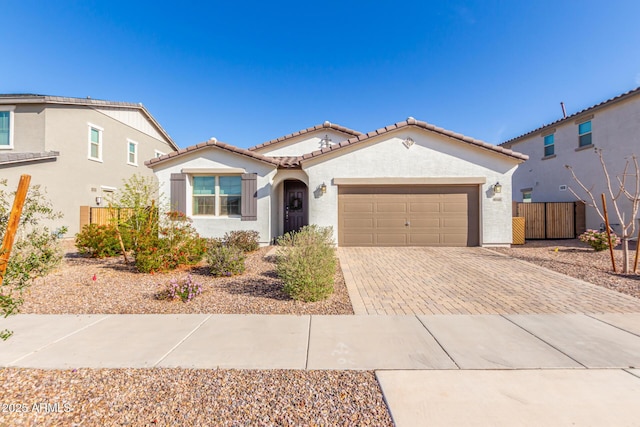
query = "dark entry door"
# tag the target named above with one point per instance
(295, 205)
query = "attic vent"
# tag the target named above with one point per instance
(562, 188)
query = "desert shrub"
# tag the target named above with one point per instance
(247, 240)
(185, 289)
(225, 260)
(306, 263)
(98, 241)
(36, 249)
(598, 239)
(176, 244)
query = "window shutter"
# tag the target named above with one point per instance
(249, 209)
(179, 192)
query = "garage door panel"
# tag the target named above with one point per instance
(424, 207)
(417, 223)
(359, 207)
(424, 239)
(437, 216)
(393, 223)
(391, 239)
(454, 207)
(359, 239)
(454, 239)
(455, 223)
(391, 207)
(358, 223)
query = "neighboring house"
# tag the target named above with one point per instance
(79, 150)
(612, 125)
(408, 184)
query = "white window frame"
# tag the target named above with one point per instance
(10, 109)
(135, 152)
(100, 142)
(217, 204)
(158, 153)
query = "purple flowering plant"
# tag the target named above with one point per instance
(185, 289)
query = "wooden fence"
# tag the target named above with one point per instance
(551, 220)
(103, 216)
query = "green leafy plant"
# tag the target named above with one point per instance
(598, 239)
(225, 260)
(247, 240)
(36, 249)
(99, 241)
(306, 263)
(185, 289)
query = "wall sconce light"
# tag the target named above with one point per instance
(323, 188)
(98, 200)
(497, 188)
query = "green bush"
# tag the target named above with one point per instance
(306, 263)
(98, 241)
(247, 240)
(177, 244)
(225, 260)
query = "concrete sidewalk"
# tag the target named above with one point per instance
(450, 370)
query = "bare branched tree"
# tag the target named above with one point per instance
(626, 187)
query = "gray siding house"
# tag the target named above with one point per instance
(612, 126)
(79, 150)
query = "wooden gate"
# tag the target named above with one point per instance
(552, 220)
(103, 216)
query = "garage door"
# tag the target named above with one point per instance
(408, 216)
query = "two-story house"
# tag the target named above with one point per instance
(79, 150)
(612, 126)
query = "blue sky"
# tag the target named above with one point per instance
(247, 72)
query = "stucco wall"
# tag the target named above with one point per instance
(73, 180)
(615, 129)
(29, 132)
(212, 158)
(431, 156)
(303, 144)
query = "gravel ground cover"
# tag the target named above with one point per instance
(119, 289)
(187, 397)
(576, 259)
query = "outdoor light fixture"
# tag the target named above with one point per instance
(98, 200)
(323, 188)
(497, 188)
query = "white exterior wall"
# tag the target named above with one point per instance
(431, 156)
(303, 144)
(212, 158)
(615, 129)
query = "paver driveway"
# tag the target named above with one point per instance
(466, 281)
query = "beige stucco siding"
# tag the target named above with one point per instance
(615, 130)
(29, 129)
(431, 156)
(73, 180)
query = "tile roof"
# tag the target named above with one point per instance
(602, 104)
(213, 143)
(419, 124)
(13, 158)
(325, 125)
(27, 98)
